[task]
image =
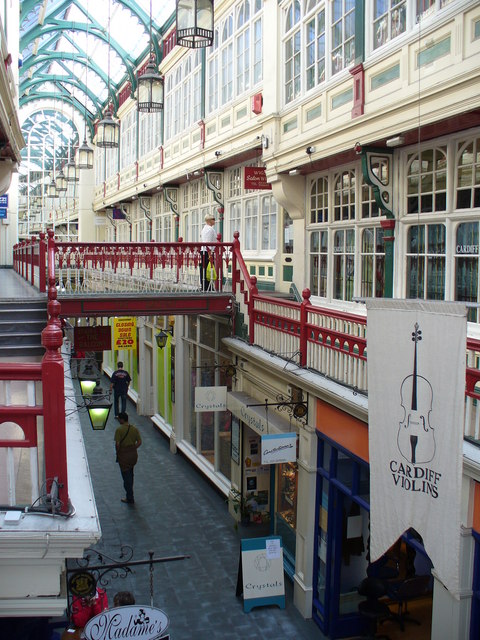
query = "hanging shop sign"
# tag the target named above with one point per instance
(82, 584)
(93, 338)
(255, 178)
(126, 622)
(260, 573)
(3, 213)
(254, 414)
(125, 333)
(210, 399)
(278, 448)
(4, 200)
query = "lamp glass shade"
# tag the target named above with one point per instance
(161, 339)
(150, 90)
(87, 386)
(61, 181)
(194, 20)
(84, 156)
(52, 190)
(98, 414)
(300, 410)
(108, 133)
(72, 173)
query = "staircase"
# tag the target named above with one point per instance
(21, 326)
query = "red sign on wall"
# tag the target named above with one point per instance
(92, 338)
(255, 178)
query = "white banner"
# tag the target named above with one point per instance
(210, 399)
(416, 399)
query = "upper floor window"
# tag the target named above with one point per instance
(389, 20)
(183, 95)
(234, 63)
(426, 262)
(318, 42)
(128, 139)
(344, 196)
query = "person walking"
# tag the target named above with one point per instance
(207, 235)
(127, 441)
(120, 382)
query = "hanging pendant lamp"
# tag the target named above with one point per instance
(108, 131)
(150, 83)
(52, 189)
(194, 23)
(61, 182)
(85, 156)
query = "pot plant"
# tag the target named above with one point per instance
(241, 507)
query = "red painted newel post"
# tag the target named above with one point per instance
(42, 263)
(54, 388)
(306, 293)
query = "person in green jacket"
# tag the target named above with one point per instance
(127, 441)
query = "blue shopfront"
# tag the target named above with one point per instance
(341, 559)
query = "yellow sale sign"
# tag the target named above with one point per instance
(125, 333)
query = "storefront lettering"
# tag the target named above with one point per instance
(467, 249)
(266, 585)
(251, 420)
(415, 478)
(276, 449)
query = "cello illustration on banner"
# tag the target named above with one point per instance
(416, 437)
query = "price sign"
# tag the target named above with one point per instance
(125, 333)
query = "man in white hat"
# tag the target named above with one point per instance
(208, 236)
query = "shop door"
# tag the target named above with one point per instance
(287, 252)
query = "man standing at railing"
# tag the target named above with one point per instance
(120, 382)
(209, 237)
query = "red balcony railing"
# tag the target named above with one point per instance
(330, 342)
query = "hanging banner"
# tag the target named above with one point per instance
(210, 399)
(125, 333)
(92, 338)
(416, 415)
(126, 622)
(279, 448)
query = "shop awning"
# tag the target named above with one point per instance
(253, 413)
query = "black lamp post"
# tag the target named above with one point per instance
(194, 23)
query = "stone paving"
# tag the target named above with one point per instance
(177, 512)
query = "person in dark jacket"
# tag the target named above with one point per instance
(120, 382)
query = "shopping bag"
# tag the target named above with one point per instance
(211, 273)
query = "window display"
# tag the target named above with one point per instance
(287, 493)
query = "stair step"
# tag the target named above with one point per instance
(20, 339)
(24, 350)
(32, 326)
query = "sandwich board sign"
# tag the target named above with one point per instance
(260, 573)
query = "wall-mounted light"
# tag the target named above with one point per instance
(357, 148)
(162, 337)
(395, 142)
(310, 150)
(150, 83)
(218, 153)
(294, 172)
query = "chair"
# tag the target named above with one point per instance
(404, 592)
(372, 608)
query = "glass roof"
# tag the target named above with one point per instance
(74, 51)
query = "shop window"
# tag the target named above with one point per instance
(318, 263)
(286, 511)
(426, 262)
(319, 201)
(344, 196)
(287, 233)
(344, 264)
(468, 175)
(427, 181)
(373, 263)
(466, 266)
